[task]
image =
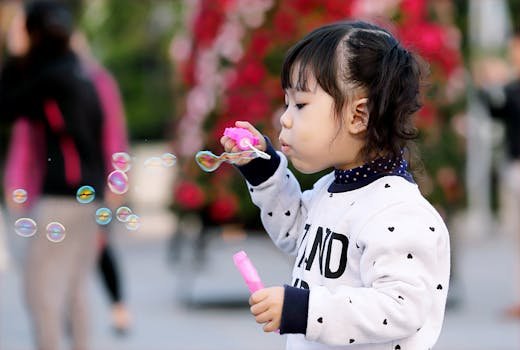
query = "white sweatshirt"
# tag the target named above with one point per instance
(376, 260)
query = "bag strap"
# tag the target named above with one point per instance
(71, 159)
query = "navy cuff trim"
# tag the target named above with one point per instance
(295, 310)
(259, 170)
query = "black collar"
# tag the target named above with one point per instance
(351, 179)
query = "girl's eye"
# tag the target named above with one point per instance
(300, 105)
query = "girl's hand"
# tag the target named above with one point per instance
(230, 145)
(266, 306)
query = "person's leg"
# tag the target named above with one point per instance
(45, 266)
(109, 273)
(111, 277)
(82, 248)
(512, 186)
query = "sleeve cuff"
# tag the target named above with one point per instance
(259, 170)
(295, 310)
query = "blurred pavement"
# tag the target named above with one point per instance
(205, 306)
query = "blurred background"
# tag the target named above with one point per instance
(187, 69)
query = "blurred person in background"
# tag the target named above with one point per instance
(115, 139)
(500, 92)
(55, 147)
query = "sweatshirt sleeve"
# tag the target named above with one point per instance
(401, 250)
(283, 206)
(114, 130)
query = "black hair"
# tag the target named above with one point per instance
(49, 24)
(350, 55)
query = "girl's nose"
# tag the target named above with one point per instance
(285, 119)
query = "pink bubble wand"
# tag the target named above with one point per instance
(248, 271)
(244, 140)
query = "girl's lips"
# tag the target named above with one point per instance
(285, 147)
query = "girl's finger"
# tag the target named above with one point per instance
(230, 145)
(248, 126)
(258, 308)
(270, 326)
(263, 317)
(257, 296)
(223, 140)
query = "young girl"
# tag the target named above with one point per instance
(372, 255)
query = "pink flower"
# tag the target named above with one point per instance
(180, 48)
(373, 8)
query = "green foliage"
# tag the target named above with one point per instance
(131, 38)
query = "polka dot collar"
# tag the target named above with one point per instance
(351, 179)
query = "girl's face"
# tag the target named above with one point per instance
(311, 136)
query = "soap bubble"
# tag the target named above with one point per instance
(121, 161)
(25, 227)
(19, 195)
(55, 232)
(118, 182)
(85, 194)
(103, 216)
(133, 222)
(168, 160)
(122, 213)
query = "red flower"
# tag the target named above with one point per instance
(413, 10)
(337, 9)
(188, 72)
(189, 195)
(250, 105)
(434, 43)
(207, 23)
(251, 73)
(259, 43)
(304, 7)
(224, 208)
(285, 25)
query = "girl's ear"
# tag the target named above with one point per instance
(359, 116)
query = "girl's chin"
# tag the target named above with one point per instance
(303, 167)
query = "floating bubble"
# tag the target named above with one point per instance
(210, 162)
(103, 216)
(118, 182)
(122, 213)
(133, 223)
(85, 194)
(20, 196)
(153, 162)
(25, 227)
(168, 160)
(55, 232)
(121, 161)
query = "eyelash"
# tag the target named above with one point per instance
(298, 105)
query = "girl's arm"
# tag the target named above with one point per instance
(283, 206)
